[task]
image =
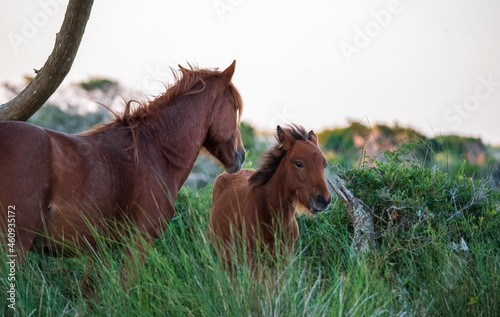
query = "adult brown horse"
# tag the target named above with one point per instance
(61, 188)
(258, 207)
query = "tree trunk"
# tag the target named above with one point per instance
(363, 240)
(57, 66)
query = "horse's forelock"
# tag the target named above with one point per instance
(297, 132)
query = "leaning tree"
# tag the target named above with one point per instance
(55, 69)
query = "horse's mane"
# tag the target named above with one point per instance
(186, 82)
(272, 158)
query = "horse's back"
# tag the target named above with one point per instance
(16, 134)
(24, 153)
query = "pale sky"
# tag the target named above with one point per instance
(431, 65)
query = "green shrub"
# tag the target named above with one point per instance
(409, 199)
(431, 228)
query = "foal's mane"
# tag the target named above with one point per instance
(186, 82)
(272, 158)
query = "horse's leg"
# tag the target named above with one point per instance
(137, 236)
(88, 279)
(27, 229)
(134, 255)
(92, 277)
(24, 196)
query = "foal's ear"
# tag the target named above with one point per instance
(227, 74)
(286, 139)
(312, 137)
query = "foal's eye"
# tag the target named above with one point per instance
(299, 164)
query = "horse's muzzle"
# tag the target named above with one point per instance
(239, 158)
(319, 204)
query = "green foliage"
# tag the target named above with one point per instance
(454, 144)
(253, 146)
(341, 141)
(409, 199)
(53, 117)
(445, 151)
(247, 135)
(398, 131)
(97, 83)
(421, 215)
(337, 139)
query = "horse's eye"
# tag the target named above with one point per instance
(299, 164)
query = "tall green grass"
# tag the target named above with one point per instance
(420, 272)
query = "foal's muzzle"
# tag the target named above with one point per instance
(319, 203)
(239, 158)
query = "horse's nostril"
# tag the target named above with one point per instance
(243, 156)
(322, 200)
(240, 153)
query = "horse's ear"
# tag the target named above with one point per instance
(312, 137)
(227, 74)
(281, 134)
(286, 139)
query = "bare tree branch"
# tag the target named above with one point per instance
(57, 66)
(364, 234)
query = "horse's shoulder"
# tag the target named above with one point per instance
(61, 143)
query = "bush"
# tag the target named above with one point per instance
(434, 231)
(409, 199)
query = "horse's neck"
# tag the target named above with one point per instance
(180, 132)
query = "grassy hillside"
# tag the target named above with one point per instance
(437, 254)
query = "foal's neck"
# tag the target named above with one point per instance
(279, 197)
